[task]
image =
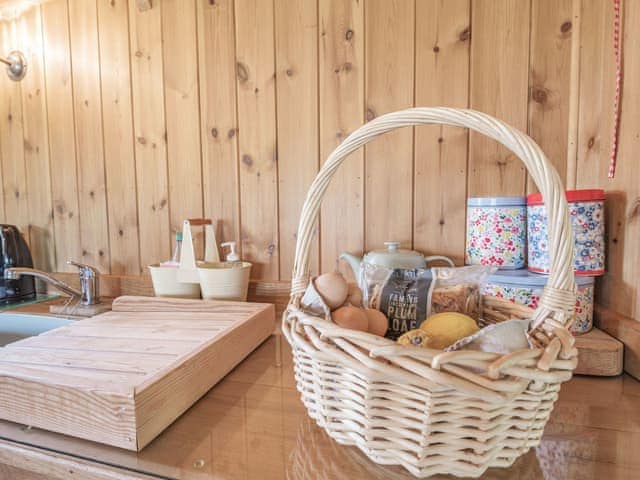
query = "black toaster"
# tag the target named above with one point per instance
(14, 252)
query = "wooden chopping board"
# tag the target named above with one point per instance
(122, 377)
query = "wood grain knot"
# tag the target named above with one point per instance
(231, 133)
(141, 140)
(591, 143)
(271, 249)
(566, 27)
(440, 139)
(242, 72)
(163, 203)
(17, 194)
(348, 35)
(214, 132)
(101, 253)
(121, 232)
(465, 34)
(247, 160)
(539, 94)
(436, 49)
(289, 72)
(371, 114)
(60, 209)
(9, 117)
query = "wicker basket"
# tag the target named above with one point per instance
(432, 411)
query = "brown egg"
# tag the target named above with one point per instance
(378, 323)
(355, 295)
(333, 288)
(351, 317)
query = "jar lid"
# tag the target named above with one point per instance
(572, 196)
(496, 201)
(531, 279)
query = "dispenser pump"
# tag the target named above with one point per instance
(233, 255)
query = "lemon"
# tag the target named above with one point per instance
(446, 328)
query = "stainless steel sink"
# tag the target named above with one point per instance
(16, 326)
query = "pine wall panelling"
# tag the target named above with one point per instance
(14, 178)
(119, 158)
(94, 237)
(61, 125)
(341, 108)
(130, 121)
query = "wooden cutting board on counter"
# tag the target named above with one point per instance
(122, 377)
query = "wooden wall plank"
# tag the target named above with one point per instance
(594, 144)
(442, 78)
(60, 122)
(94, 234)
(389, 87)
(3, 47)
(499, 86)
(257, 137)
(14, 178)
(150, 133)
(549, 80)
(119, 156)
(36, 142)
(626, 254)
(341, 105)
(219, 126)
(594, 128)
(296, 24)
(180, 55)
(618, 289)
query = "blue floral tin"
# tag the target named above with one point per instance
(525, 287)
(587, 219)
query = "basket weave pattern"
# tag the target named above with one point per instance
(431, 411)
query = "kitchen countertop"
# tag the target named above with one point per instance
(252, 425)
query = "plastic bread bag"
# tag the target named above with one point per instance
(401, 294)
(408, 296)
(457, 289)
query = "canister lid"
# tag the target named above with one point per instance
(530, 279)
(496, 201)
(589, 195)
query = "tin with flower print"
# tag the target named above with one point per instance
(496, 232)
(525, 287)
(587, 219)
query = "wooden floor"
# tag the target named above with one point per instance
(253, 426)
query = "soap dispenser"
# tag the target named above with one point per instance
(232, 259)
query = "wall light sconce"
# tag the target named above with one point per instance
(16, 65)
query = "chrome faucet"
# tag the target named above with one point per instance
(89, 293)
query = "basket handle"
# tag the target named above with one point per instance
(558, 299)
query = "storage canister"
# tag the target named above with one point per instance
(525, 287)
(587, 219)
(496, 231)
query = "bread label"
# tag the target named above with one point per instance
(404, 299)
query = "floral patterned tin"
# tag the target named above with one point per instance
(587, 218)
(522, 286)
(496, 232)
